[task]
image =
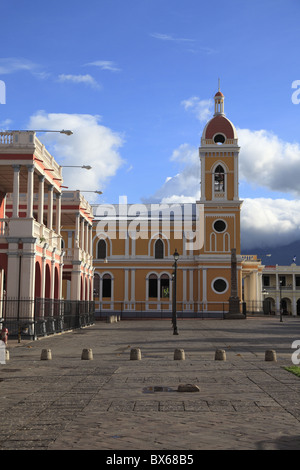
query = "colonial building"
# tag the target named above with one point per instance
(33, 210)
(281, 289)
(134, 244)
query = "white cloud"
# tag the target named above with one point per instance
(267, 222)
(86, 79)
(170, 37)
(202, 109)
(105, 65)
(184, 186)
(14, 64)
(91, 144)
(266, 160)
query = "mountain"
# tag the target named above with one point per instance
(281, 255)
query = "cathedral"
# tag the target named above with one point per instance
(143, 253)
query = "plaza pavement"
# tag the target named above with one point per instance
(113, 403)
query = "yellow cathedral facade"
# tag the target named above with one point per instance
(134, 244)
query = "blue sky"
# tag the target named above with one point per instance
(134, 80)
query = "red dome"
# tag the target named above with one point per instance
(219, 124)
(219, 93)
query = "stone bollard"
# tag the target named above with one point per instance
(87, 354)
(220, 355)
(46, 355)
(135, 354)
(6, 355)
(109, 319)
(179, 355)
(270, 355)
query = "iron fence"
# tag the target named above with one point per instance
(32, 318)
(161, 310)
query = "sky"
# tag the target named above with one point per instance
(135, 83)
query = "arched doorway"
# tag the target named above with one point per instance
(38, 281)
(56, 284)
(47, 282)
(286, 306)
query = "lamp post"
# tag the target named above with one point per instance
(82, 191)
(63, 131)
(86, 167)
(280, 300)
(174, 313)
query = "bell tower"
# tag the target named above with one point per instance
(219, 153)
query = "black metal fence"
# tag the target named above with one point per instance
(33, 318)
(140, 310)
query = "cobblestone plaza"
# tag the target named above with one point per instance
(113, 403)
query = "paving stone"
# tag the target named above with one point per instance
(244, 402)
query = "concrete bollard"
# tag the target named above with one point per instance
(6, 355)
(109, 319)
(135, 354)
(270, 355)
(179, 355)
(87, 354)
(46, 355)
(220, 355)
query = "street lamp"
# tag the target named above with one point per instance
(63, 131)
(174, 313)
(86, 167)
(280, 300)
(82, 191)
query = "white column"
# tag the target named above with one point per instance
(86, 237)
(204, 285)
(191, 285)
(50, 207)
(58, 213)
(132, 285)
(16, 190)
(30, 191)
(41, 200)
(77, 230)
(126, 283)
(91, 240)
(184, 285)
(82, 234)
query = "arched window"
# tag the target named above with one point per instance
(152, 286)
(101, 249)
(164, 286)
(159, 249)
(96, 285)
(106, 286)
(219, 180)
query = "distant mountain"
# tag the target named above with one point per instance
(281, 255)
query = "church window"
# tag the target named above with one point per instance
(106, 286)
(164, 286)
(220, 285)
(219, 181)
(96, 285)
(159, 249)
(101, 249)
(219, 139)
(152, 293)
(219, 225)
